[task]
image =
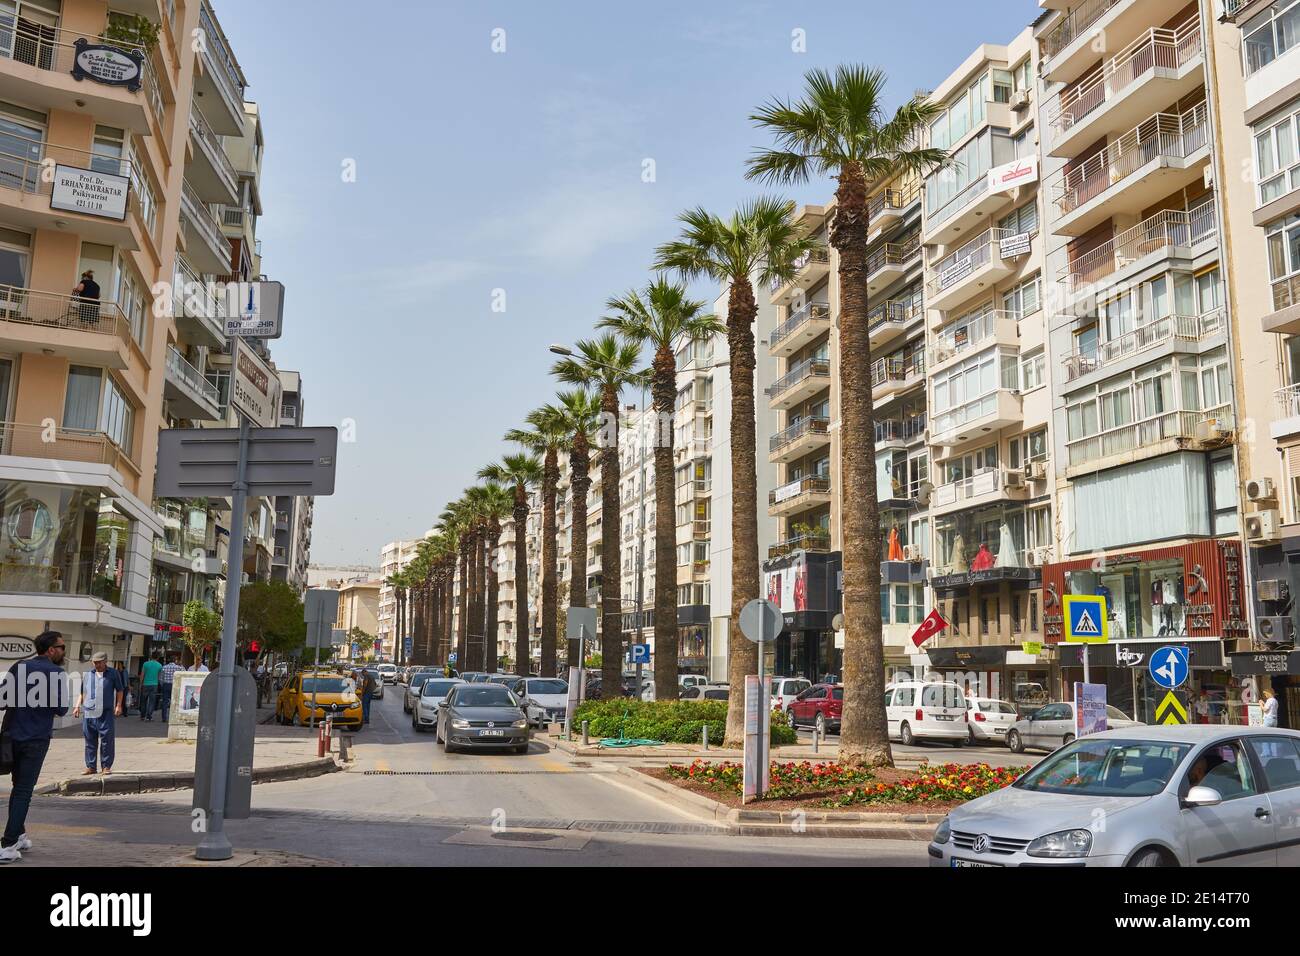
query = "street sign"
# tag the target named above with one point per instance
(1168, 666)
(201, 462)
(580, 623)
(640, 654)
(756, 769)
(1085, 619)
(1171, 710)
(409, 645)
(451, 658)
(239, 759)
(1089, 709)
(254, 385)
(761, 621)
(259, 311)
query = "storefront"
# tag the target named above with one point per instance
(1020, 675)
(1274, 663)
(805, 585)
(693, 639)
(1276, 670)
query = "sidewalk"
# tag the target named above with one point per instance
(76, 847)
(143, 748)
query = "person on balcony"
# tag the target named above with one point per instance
(87, 292)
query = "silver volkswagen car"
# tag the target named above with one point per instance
(482, 716)
(1194, 795)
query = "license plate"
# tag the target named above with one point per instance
(958, 862)
(492, 733)
(945, 717)
(999, 730)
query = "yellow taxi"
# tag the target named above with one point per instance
(332, 693)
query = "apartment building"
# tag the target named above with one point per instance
(1143, 369)
(986, 377)
(392, 558)
(293, 514)
(358, 608)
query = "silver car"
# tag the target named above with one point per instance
(1188, 795)
(1053, 726)
(433, 691)
(482, 716)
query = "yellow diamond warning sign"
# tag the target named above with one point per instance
(1171, 710)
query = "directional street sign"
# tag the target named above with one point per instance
(580, 623)
(1171, 710)
(1168, 666)
(201, 462)
(1086, 621)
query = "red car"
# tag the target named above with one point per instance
(821, 705)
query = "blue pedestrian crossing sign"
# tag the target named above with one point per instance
(1168, 666)
(1086, 621)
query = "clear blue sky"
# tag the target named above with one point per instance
(518, 171)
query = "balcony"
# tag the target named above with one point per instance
(975, 204)
(1153, 436)
(972, 269)
(802, 542)
(803, 381)
(895, 434)
(93, 333)
(68, 444)
(985, 488)
(890, 207)
(1070, 48)
(989, 327)
(191, 395)
(887, 322)
(1173, 233)
(198, 308)
(799, 496)
(1178, 332)
(1285, 317)
(700, 528)
(205, 244)
(800, 329)
(36, 69)
(1155, 159)
(27, 186)
(219, 84)
(1287, 422)
(893, 376)
(693, 490)
(890, 263)
(797, 440)
(808, 269)
(977, 419)
(1160, 67)
(213, 177)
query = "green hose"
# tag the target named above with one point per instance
(622, 740)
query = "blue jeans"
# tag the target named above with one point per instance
(150, 694)
(99, 733)
(28, 757)
(365, 708)
(165, 689)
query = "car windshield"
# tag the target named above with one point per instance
(1102, 767)
(436, 688)
(548, 687)
(996, 707)
(420, 678)
(324, 685)
(1114, 713)
(490, 695)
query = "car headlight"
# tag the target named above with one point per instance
(1063, 843)
(943, 832)
(460, 724)
(520, 723)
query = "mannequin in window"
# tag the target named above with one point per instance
(983, 559)
(957, 560)
(1008, 556)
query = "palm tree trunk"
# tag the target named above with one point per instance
(476, 601)
(611, 546)
(742, 656)
(493, 659)
(462, 611)
(864, 733)
(401, 614)
(579, 483)
(550, 477)
(522, 661)
(664, 390)
(417, 615)
(448, 608)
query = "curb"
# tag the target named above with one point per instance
(119, 783)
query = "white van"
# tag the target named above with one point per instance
(786, 689)
(926, 710)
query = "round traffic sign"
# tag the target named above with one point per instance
(1168, 666)
(761, 621)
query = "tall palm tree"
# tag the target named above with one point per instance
(456, 521)
(521, 472)
(546, 436)
(759, 240)
(607, 365)
(840, 129)
(580, 414)
(663, 318)
(397, 581)
(496, 503)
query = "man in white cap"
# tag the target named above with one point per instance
(101, 700)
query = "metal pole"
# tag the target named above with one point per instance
(215, 845)
(640, 545)
(763, 702)
(1085, 665)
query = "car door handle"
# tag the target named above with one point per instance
(1261, 813)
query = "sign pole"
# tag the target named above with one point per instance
(215, 845)
(765, 705)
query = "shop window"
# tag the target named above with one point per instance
(1033, 614)
(1017, 622)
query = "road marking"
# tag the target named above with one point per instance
(607, 778)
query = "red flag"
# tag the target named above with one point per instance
(931, 626)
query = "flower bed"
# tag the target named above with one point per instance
(952, 782)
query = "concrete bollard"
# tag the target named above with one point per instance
(816, 741)
(586, 727)
(705, 736)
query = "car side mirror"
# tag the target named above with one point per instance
(1202, 796)
(442, 703)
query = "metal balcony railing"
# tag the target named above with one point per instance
(198, 213)
(816, 255)
(807, 426)
(1168, 135)
(958, 265)
(54, 49)
(800, 542)
(1287, 399)
(1157, 49)
(1149, 431)
(808, 368)
(971, 332)
(897, 369)
(899, 311)
(185, 373)
(895, 200)
(226, 74)
(203, 132)
(50, 310)
(1185, 328)
(813, 485)
(812, 312)
(1165, 230)
(894, 254)
(1075, 25)
(68, 444)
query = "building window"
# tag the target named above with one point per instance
(1033, 368)
(1276, 167)
(1270, 34)
(93, 402)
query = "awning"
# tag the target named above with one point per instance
(967, 657)
(1137, 653)
(1265, 663)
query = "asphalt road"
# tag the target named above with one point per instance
(406, 802)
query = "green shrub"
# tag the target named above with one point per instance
(672, 721)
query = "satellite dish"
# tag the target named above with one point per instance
(837, 622)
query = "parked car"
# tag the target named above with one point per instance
(705, 692)
(821, 705)
(331, 694)
(989, 719)
(545, 699)
(377, 674)
(786, 689)
(508, 679)
(926, 710)
(413, 688)
(691, 680)
(433, 690)
(474, 677)
(388, 672)
(1053, 726)
(484, 716)
(1180, 795)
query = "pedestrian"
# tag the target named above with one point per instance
(149, 675)
(100, 702)
(366, 682)
(200, 667)
(165, 680)
(1270, 708)
(30, 725)
(125, 681)
(87, 291)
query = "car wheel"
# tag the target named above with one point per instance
(297, 720)
(793, 722)
(961, 743)
(970, 736)
(522, 749)
(905, 735)
(437, 733)
(1149, 858)
(1067, 740)
(820, 724)
(1014, 743)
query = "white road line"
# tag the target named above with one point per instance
(608, 778)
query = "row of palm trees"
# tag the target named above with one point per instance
(838, 129)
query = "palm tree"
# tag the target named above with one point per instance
(546, 437)
(580, 414)
(522, 472)
(607, 365)
(397, 581)
(456, 522)
(496, 503)
(759, 240)
(662, 317)
(840, 129)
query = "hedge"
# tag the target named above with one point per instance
(672, 721)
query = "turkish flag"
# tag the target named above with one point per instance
(931, 626)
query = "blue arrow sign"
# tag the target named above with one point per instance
(1168, 666)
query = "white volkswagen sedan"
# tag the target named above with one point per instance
(433, 691)
(1196, 795)
(546, 699)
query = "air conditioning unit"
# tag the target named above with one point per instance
(1272, 589)
(1211, 431)
(1277, 630)
(1263, 525)
(912, 552)
(1036, 470)
(1039, 556)
(1019, 99)
(1260, 489)
(1013, 479)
